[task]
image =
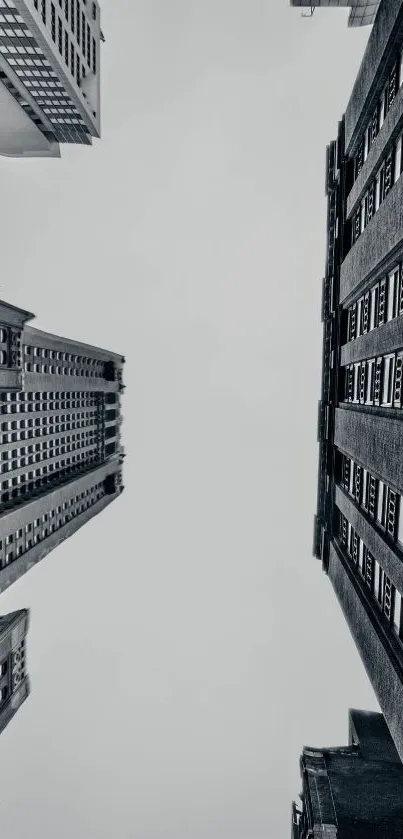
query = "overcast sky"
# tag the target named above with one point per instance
(184, 644)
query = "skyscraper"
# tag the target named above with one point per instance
(60, 442)
(359, 522)
(355, 791)
(49, 74)
(14, 682)
(362, 12)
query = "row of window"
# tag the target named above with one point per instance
(48, 462)
(56, 370)
(46, 450)
(381, 503)
(45, 478)
(58, 355)
(43, 445)
(381, 303)
(62, 422)
(20, 436)
(375, 381)
(49, 431)
(387, 175)
(49, 407)
(71, 364)
(61, 399)
(18, 542)
(385, 594)
(382, 108)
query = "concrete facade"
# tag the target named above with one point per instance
(60, 439)
(352, 792)
(358, 532)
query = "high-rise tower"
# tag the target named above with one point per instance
(359, 522)
(60, 441)
(49, 75)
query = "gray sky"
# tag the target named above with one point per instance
(184, 645)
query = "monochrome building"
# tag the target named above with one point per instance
(359, 522)
(49, 75)
(355, 791)
(362, 12)
(14, 682)
(60, 439)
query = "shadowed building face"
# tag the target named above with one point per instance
(359, 523)
(354, 791)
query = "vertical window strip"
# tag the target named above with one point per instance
(384, 104)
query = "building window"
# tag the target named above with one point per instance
(388, 377)
(389, 173)
(381, 504)
(351, 478)
(398, 159)
(78, 18)
(361, 558)
(88, 45)
(43, 10)
(391, 513)
(60, 38)
(352, 322)
(377, 580)
(365, 489)
(365, 313)
(371, 496)
(53, 21)
(363, 379)
(397, 614)
(400, 522)
(377, 380)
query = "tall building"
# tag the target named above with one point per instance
(362, 12)
(359, 522)
(14, 682)
(60, 441)
(355, 791)
(49, 74)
